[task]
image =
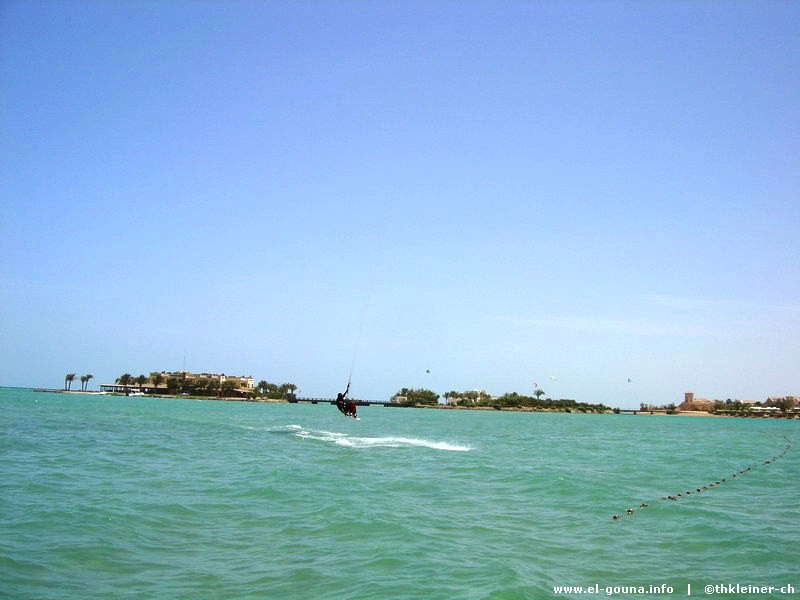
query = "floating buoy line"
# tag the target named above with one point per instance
(704, 488)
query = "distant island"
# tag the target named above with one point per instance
(481, 400)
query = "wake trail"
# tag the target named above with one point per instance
(354, 441)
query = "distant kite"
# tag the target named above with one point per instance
(553, 377)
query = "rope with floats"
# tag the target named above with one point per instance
(704, 488)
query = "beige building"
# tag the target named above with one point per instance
(691, 403)
(241, 385)
(704, 404)
(158, 383)
(795, 400)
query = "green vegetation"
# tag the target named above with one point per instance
(669, 409)
(85, 382)
(737, 408)
(68, 379)
(418, 396)
(207, 387)
(479, 398)
(515, 400)
(158, 379)
(203, 387)
(786, 405)
(466, 398)
(175, 385)
(272, 391)
(730, 407)
(125, 379)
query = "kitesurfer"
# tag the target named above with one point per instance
(347, 408)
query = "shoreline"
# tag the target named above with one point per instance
(166, 396)
(527, 409)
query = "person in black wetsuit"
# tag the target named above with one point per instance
(348, 409)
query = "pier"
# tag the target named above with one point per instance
(357, 402)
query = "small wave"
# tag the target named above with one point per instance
(283, 430)
(343, 439)
(397, 442)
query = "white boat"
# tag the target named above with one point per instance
(136, 393)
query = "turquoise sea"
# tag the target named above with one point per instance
(111, 497)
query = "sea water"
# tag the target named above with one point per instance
(104, 496)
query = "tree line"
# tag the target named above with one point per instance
(208, 386)
(508, 400)
(736, 407)
(730, 407)
(514, 400)
(200, 386)
(272, 391)
(417, 396)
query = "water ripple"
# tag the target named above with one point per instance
(112, 497)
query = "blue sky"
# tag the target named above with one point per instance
(500, 193)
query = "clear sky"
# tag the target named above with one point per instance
(568, 193)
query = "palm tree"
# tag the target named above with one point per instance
(200, 386)
(785, 404)
(173, 385)
(158, 379)
(68, 379)
(141, 380)
(125, 380)
(227, 388)
(539, 393)
(85, 381)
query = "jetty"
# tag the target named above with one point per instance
(306, 400)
